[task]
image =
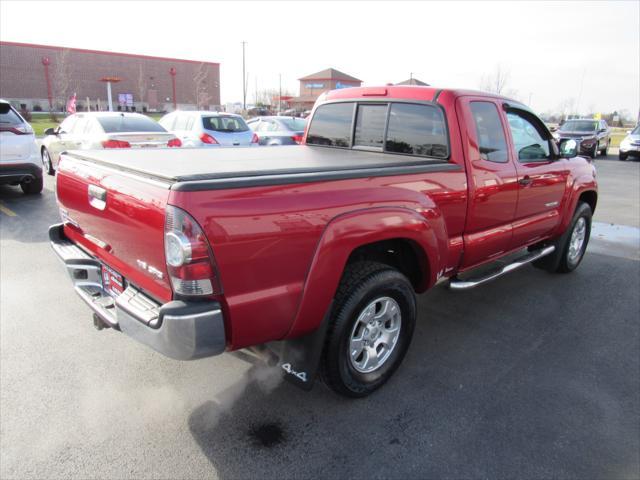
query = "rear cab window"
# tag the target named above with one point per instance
(392, 127)
(224, 124)
(8, 116)
(489, 132)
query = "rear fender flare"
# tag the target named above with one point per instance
(351, 230)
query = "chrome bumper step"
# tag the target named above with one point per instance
(457, 284)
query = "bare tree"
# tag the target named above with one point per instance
(62, 79)
(201, 87)
(142, 85)
(269, 96)
(497, 81)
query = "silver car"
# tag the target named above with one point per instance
(630, 146)
(97, 130)
(19, 159)
(209, 129)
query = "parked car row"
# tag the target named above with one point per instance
(194, 129)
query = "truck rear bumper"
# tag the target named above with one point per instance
(177, 329)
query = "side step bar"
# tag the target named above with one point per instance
(474, 282)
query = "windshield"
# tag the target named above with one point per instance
(579, 126)
(224, 124)
(122, 123)
(636, 131)
(294, 124)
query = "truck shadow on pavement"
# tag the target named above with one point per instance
(533, 375)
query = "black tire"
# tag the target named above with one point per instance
(362, 284)
(33, 187)
(622, 156)
(47, 164)
(605, 152)
(594, 153)
(560, 261)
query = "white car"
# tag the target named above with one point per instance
(209, 129)
(98, 130)
(630, 146)
(19, 157)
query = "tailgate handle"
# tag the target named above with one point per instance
(97, 197)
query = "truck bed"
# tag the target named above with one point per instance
(221, 168)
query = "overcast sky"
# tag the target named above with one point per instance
(555, 52)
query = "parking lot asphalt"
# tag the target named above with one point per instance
(531, 376)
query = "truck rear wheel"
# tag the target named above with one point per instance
(370, 329)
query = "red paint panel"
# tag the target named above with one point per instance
(265, 240)
(130, 228)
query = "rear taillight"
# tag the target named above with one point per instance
(115, 144)
(206, 138)
(174, 142)
(255, 139)
(190, 261)
(297, 138)
(17, 129)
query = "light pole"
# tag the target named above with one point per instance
(244, 81)
(46, 62)
(172, 72)
(279, 93)
(109, 81)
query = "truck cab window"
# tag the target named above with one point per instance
(491, 141)
(416, 130)
(331, 125)
(370, 125)
(528, 143)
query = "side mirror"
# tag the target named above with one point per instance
(568, 148)
(50, 131)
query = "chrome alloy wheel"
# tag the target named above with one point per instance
(577, 240)
(375, 334)
(46, 160)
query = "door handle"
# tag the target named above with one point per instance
(524, 181)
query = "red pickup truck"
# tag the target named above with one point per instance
(312, 255)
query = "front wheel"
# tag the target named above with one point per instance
(571, 245)
(605, 152)
(370, 329)
(47, 165)
(622, 156)
(596, 149)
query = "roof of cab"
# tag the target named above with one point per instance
(410, 92)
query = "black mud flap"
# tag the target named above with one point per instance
(299, 358)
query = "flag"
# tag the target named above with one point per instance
(71, 104)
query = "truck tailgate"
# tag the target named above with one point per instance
(119, 218)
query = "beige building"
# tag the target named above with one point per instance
(313, 85)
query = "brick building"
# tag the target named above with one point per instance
(44, 76)
(313, 85)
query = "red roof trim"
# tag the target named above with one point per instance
(102, 52)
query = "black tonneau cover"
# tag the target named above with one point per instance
(231, 167)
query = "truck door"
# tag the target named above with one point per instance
(492, 178)
(542, 178)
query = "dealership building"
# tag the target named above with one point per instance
(43, 77)
(313, 85)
